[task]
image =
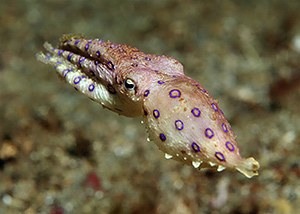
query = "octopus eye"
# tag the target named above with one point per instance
(129, 84)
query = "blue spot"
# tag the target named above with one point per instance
(162, 137)
(174, 93)
(91, 87)
(195, 147)
(179, 125)
(209, 133)
(156, 113)
(219, 156)
(196, 112)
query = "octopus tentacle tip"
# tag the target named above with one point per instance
(48, 46)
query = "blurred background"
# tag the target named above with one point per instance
(62, 153)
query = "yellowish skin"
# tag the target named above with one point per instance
(182, 119)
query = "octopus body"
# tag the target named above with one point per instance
(181, 118)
